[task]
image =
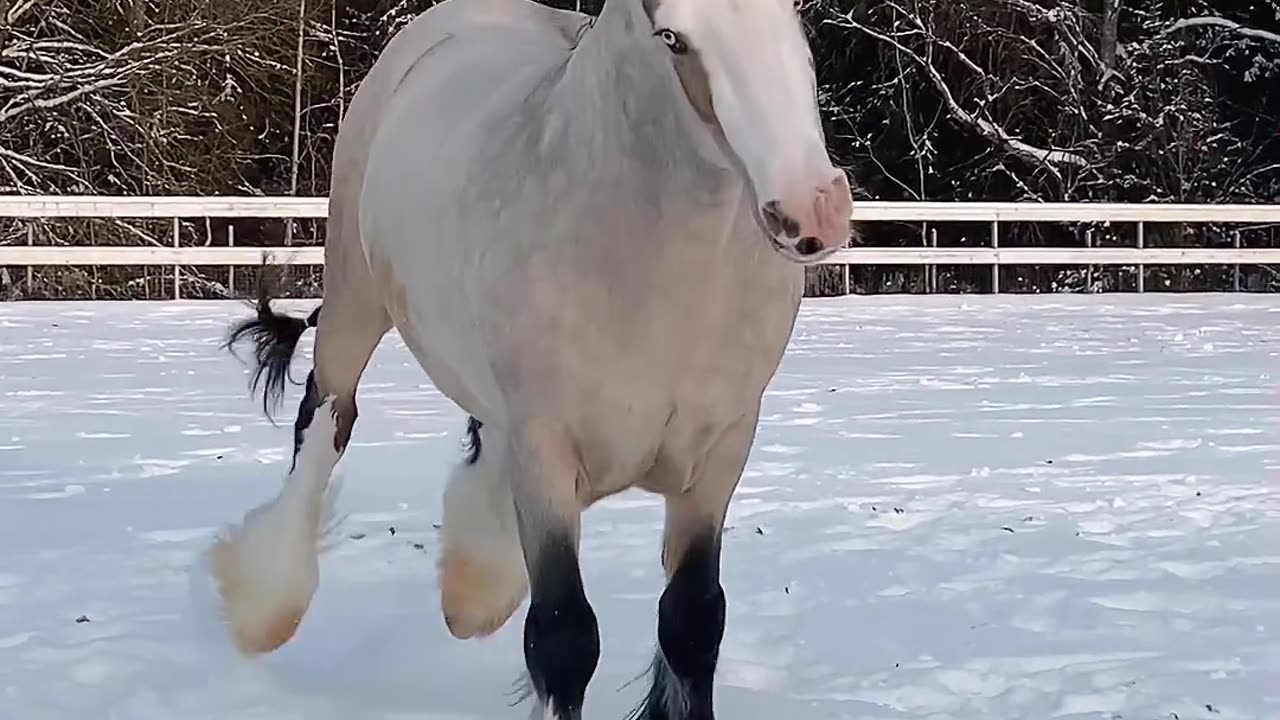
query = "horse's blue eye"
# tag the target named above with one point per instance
(673, 41)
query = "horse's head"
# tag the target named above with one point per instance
(746, 69)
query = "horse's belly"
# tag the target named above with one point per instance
(657, 442)
(667, 405)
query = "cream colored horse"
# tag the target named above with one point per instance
(592, 237)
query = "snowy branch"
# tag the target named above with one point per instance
(988, 129)
(1225, 24)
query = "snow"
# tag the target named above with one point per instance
(958, 507)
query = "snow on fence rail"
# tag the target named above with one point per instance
(994, 213)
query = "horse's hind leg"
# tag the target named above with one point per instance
(691, 611)
(482, 571)
(267, 569)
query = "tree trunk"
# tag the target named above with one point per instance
(4, 22)
(297, 123)
(1110, 33)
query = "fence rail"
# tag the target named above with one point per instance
(313, 255)
(993, 214)
(169, 206)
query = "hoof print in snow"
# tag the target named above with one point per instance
(418, 546)
(759, 530)
(392, 529)
(357, 536)
(82, 619)
(1006, 528)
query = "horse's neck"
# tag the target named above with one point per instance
(621, 122)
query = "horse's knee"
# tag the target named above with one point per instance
(344, 413)
(561, 634)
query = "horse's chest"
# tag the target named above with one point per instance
(654, 429)
(684, 369)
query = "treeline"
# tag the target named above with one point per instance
(1023, 100)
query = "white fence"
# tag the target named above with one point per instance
(1140, 214)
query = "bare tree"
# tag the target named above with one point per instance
(1126, 100)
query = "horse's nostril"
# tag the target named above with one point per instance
(778, 222)
(808, 245)
(772, 217)
(840, 184)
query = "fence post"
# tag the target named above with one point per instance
(995, 266)
(1142, 269)
(1236, 278)
(177, 271)
(231, 269)
(1088, 269)
(933, 269)
(31, 241)
(924, 242)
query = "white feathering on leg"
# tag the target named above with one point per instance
(482, 572)
(267, 568)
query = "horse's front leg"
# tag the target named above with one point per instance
(691, 611)
(561, 634)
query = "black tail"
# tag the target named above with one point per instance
(275, 339)
(472, 442)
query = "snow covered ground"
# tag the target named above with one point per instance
(958, 508)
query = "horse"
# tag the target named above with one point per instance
(592, 235)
